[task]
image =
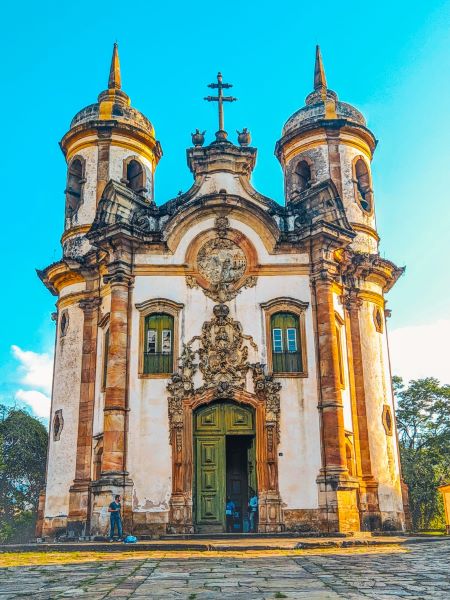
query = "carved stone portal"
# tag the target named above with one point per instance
(220, 354)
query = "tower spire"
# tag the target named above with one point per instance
(114, 81)
(320, 82)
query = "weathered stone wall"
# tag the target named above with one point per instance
(65, 397)
(377, 384)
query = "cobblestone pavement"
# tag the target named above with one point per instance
(420, 571)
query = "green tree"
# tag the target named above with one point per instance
(23, 452)
(423, 420)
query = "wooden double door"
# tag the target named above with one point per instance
(224, 464)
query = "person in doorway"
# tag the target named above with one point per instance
(253, 510)
(115, 518)
(229, 514)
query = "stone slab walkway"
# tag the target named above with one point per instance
(416, 572)
(221, 544)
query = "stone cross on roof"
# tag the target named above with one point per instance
(220, 99)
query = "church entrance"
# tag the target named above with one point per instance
(224, 465)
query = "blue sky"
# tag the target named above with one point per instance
(389, 59)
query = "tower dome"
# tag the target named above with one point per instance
(113, 103)
(321, 103)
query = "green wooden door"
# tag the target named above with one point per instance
(212, 424)
(210, 500)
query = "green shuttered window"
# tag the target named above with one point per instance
(286, 347)
(158, 343)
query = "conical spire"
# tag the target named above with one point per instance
(320, 82)
(114, 82)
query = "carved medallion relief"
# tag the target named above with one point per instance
(221, 265)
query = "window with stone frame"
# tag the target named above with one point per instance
(57, 425)
(387, 419)
(74, 188)
(64, 323)
(158, 343)
(363, 190)
(286, 343)
(378, 319)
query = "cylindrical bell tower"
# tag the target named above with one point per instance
(329, 139)
(106, 140)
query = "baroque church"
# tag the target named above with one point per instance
(219, 343)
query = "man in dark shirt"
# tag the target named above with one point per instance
(115, 518)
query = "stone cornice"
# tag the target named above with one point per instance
(362, 266)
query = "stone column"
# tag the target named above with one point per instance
(114, 477)
(368, 493)
(337, 492)
(78, 518)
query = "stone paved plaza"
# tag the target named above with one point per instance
(413, 571)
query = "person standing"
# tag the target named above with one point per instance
(253, 510)
(229, 514)
(115, 518)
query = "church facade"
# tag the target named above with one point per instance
(220, 344)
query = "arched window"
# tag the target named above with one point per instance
(158, 343)
(75, 180)
(303, 173)
(362, 185)
(135, 176)
(286, 343)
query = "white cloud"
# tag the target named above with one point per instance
(39, 402)
(421, 351)
(35, 372)
(36, 369)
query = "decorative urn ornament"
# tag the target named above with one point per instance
(198, 138)
(244, 137)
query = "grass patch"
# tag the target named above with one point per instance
(280, 595)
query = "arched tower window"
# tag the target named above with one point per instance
(363, 190)
(74, 190)
(303, 175)
(135, 176)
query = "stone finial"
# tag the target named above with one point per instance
(244, 137)
(320, 81)
(198, 137)
(114, 81)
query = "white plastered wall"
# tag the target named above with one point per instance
(65, 396)
(378, 392)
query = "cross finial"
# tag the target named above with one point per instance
(220, 99)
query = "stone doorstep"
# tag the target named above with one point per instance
(207, 545)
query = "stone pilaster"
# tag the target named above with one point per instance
(368, 490)
(337, 491)
(104, 145)
(78, 518)
(114, 477)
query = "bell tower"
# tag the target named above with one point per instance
(329, 139)
(106, 140)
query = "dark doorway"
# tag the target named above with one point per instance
(238, 448)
